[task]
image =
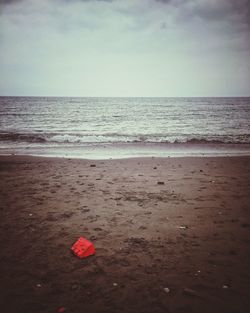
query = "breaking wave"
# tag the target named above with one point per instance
(78, 138)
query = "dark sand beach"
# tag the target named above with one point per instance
(171, 235)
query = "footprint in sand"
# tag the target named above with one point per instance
(98, 229)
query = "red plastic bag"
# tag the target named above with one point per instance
(83, 248)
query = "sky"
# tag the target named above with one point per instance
(141, 48)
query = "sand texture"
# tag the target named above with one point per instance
(171, 235)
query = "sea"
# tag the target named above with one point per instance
(104, 128)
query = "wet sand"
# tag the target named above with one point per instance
(171, 235)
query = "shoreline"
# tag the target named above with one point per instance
(26, 157)
(171, 234)
(129, 150)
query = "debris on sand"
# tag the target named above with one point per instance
(190, 292)
(83, 248)
(183, 227)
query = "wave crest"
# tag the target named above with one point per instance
(78, 138)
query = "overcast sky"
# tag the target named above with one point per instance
(125, 47)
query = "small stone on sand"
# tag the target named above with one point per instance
(183, 227)
(189, 292)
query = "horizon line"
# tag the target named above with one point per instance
(50, 96)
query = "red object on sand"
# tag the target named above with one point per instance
(61, 309)
(83, 248)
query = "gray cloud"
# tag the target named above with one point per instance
(234, 11)
(69, 1)
(6, 2)
(237, 12)
(213, 10)
(72, 1)
(118, 47)
(11, 2)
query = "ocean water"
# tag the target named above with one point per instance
(117, 127)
